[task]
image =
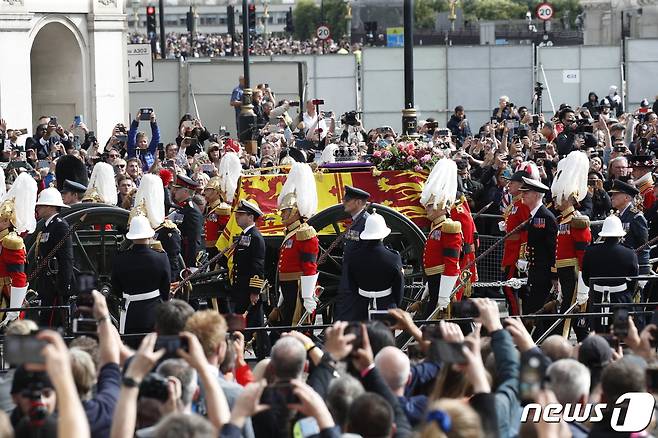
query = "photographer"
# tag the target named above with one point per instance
(138, 144)
(504, 111)
(189, 127)
(458, 125)
(601, 203)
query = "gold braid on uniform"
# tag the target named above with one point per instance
(305, 232)
(451, 227)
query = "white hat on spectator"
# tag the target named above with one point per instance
(375, 228)
(51, 197)
(440, 189)
(571, 178)
(612, 227)
(140, 228)
(102, 187)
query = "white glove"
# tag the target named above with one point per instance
(502, 227)
(16, 298)
(582, 294)
(445, 290)
(522, 265)
(426, 292)
(310, 304)
(280, 302)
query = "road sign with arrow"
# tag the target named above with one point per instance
(140, 63)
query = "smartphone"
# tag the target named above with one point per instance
(145, 113)
(293, 103)
(383, 316)
(531, 379)
(535, 119)
(446, 352)
(21, 349)
(170, 163)
(77, 120)
(171, 344)
(43, 163)
(121, 138)
(620, 323)
(444, 132)
(279, 393)
(317, 102)
(188, 124)
(512, 124)
(53, 120)
(84, 326)
(235, 322)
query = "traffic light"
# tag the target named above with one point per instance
(150, 20)
(191, 22)
(230, 19)
(290, 26)
(251, 12)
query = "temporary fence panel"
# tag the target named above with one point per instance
(572, 72)
(641, 71)
(330, 77)
(479, 75)
(383, 85)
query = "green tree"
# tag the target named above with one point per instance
(305, 17)
(424, 14)
(494, 9)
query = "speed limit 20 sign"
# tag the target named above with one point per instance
(322, 32)
(544, 11)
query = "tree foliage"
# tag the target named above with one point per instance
(307, 17)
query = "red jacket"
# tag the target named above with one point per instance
(443, 247)
(12, 260)
(298, 255)
(215, 221)
(573, 236)
(646, 190)
(515, 214)
(461, 212)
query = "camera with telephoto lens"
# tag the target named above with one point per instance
(154, 386)
(349, 118)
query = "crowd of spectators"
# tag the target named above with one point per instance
(215, 45)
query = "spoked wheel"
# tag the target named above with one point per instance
(405, 237)
(99, 235)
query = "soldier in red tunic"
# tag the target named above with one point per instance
(568, 188)
(461, 212)
(297, 268)
(216, 215)
(444, 242)
(515, 214)
(642, 166)
(16, 217)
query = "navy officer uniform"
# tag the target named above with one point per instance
(540, 251)
(375, 270)
(53, 284)
(634, 223)
(140, 276)
(169, 237)
(189, 221)
(74, 187)
(609, 258)
(348, 297)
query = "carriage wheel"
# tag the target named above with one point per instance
(405, 237)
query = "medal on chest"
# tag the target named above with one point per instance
(564, 229)
(44, 237)
(245, 241)
(287, 244)
(539, 222)
(435, 234)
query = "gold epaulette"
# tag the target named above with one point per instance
(256, 282)
(169, 224)
(305, 232)
(580, 222)
(223, 210)
(451, 227)
(13, 241)
(156, 245)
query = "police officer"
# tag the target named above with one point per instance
(72, 192)
(354, 203)
(140, 276)
(249, 271)
(187, 218)
(633, 221)
(298, 269)
(150, 202)
(53, 284)
(540, 249)
(375, 270)
(444, 242)
(609, 258)
(216, 215)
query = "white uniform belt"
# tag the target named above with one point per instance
(376, 293)
(129, 298)
(612, 289)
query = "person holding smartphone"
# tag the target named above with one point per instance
(138, 143)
